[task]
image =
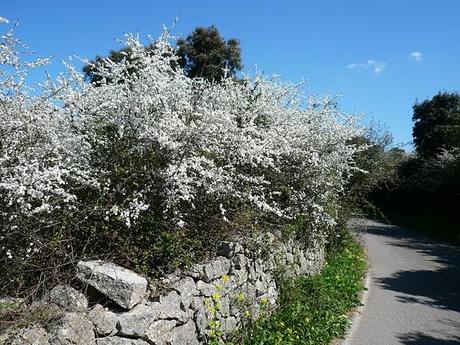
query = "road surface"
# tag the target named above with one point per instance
(414, 290)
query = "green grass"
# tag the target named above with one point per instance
(314, 310)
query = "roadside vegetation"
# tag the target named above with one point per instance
(424, 193)
(144, 162)
(314, 310)
(156, 152)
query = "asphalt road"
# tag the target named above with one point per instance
(414, 290)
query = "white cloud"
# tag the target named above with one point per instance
(356, 65)
(4, 20)
(416, 56)
(376, 66)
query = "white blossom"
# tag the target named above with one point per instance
(252, 141)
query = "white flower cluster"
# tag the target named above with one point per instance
(255, 141)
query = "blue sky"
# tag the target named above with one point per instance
(357, 49)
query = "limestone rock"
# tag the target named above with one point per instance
(121, 285)
(211, 270)
(261, 287)
(196, 271)
(68, 298)
(289, 258)
(120, 341)
(205, 289)
(186, 287)
(30, 336)
(170, 307)
(224, 303)
(137, 321)
(197, 303)
(184, 335)
(159, 331)
(216, 268)
(104, 321)
(73, 329)
(239, 277)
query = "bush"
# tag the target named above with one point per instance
(378, 165)
(426, 195)
(149, 169)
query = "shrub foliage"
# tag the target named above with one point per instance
(149, 168)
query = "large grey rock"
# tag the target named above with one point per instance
(30, 336)
(121, 285)
(205, 289)
(184, 335)
(216, 268)
(224, 306)
(68, 298)
(201, 321)
(289, 258)
(104, 321)
(211, 270)
(239, 277)
(73, 329)
(186, 287)
(137, 321)
(159, 331)
(170, 307)
(200, 315)
(120, 341)
(272, 294)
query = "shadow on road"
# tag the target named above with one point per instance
(425, 339)
(438, 288)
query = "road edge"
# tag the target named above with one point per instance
(357, 313)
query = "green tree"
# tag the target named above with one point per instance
(437, 124)
(204, 53)
(378, 163)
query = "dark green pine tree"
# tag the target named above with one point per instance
(204, 53)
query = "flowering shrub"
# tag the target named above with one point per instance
(149, 160)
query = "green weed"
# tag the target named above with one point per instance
(314, 310)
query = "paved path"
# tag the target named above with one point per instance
(414, 292)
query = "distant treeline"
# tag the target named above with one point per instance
(424, 191)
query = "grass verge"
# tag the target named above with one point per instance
(314, 310)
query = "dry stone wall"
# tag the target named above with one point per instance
(211, 299)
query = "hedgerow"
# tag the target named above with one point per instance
(149, 168)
